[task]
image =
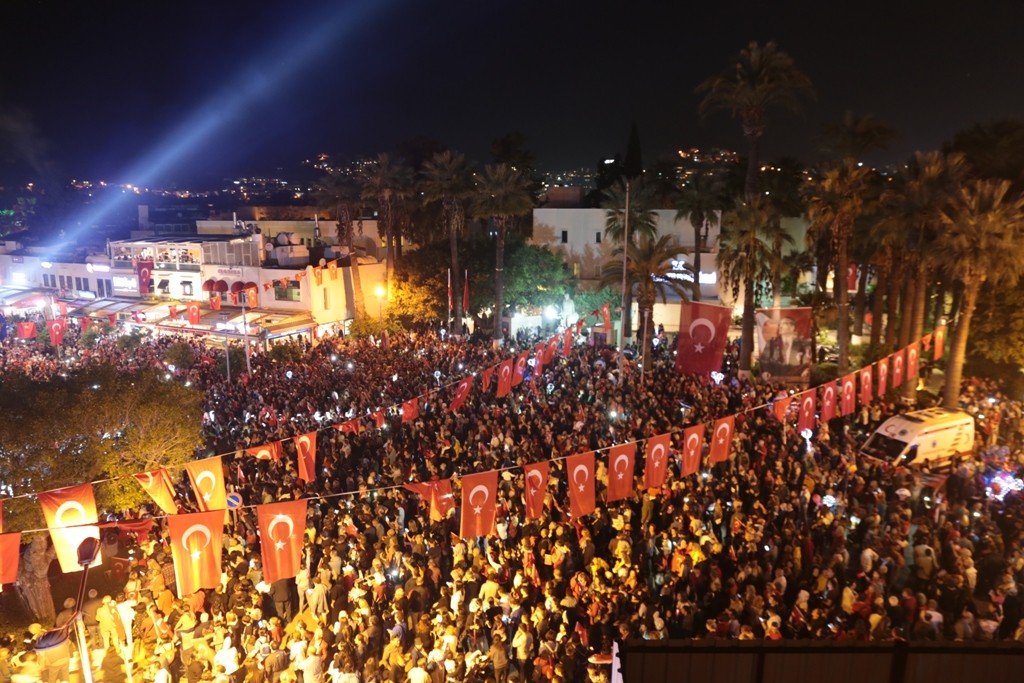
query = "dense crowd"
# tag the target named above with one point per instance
(791, 538)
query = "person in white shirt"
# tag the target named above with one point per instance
(227, 656)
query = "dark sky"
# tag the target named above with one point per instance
(156, 92)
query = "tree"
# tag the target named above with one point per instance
(701, 200)
(745, 260)
(340, 194)
(982, 241)
(759, 78)
(648, 271)
(501, 196)
(386, 182)
(856, 135)
(642, 222)
(447, 178)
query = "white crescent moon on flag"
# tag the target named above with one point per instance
(149, 479)
(280, 519)
(206, 474)
(196, 529)
(847, 389)
(692, 442)
(576, 471)
(898, 363)
(58, 516)
(808, 404)
(143, 274)
(54, 326)
(721, 427)
(504, 371)
(476, 489)
(540, 477)
(623, 458)
(703, 322)
(304, 442)
(658, 453)
(828, 396)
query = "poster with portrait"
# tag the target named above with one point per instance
(784, 347)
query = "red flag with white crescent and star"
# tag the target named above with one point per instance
(551, 350)
(807, 405)
(282, 526)
(828, 401)
(197, 542)
(848, 393)
(68, 513)
(305, 449)
(940, 342)
(883, 376)
(721, 439)
(504, 379)
(567, 343)
(780, 407)
(520, 368)
(656, 457)
(332, 268)
(10, 554)
(899, 361)
(913, 361)
(252, 296)
(25, 330)
(195, 314)
(702, 335)
(606, 318)
(207, 477)
(535, 480)
(215, 302)
(461, 393)
(268, 451)
(580, 472)
(157, 483)
(56, 330)
(867, 391)
(349, 426)
(621, 462)
(479, 493)
(693, 449)
(145, 272)
(538, 357)
(411, 409)
(485, 378)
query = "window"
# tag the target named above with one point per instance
(293, 292)
(597, 238)
(164, 286)
(565, 237)
(186, 288)
(63, 285)
(110, 289)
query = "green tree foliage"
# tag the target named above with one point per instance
(998, 326)
(180, 355)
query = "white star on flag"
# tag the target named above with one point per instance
(477, 509)
(698, 347)
(280, 545)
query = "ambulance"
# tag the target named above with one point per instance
(922, 438)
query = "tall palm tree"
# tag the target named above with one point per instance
(856, 135)
(760, 77)
(448, 179)
(340, 194)
(501, 196)
(642, 222)
(982, 241)
(701, 200)
(835, 201)
(386, 181)
(745, 260)
(649, 271)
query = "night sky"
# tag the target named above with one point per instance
(160, 92)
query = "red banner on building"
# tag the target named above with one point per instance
(145, 272)
(195, 314)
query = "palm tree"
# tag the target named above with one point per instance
(760, 77)
(701, 201)
(501, 196)
(340, 194)
(642, 222)
(982, 241)
(856, 135)
(835, 201)
(649, 270)
(745, 260)
(386, 181)
(448, 179)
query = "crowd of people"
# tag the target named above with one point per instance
(791, 538)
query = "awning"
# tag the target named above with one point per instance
(164, 284)
(209, 285)
(250, 285)
(237, 287)
(22, 298)
(220, 286)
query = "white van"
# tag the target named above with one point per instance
(931, 438)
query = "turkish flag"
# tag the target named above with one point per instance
(10, 553)
(63, 309)
(580, 472)
(197, 541)
(252, 296)
(479, 493)
(883, 376)
(913, 358)
(234, 298)
(848, 397)
(606, 317)
(318, 275)
(806, 418)
(25, 330)
(157, 484)
(215, 302)
(780, 407)
(702, 335)
(68, 513)
(621, 461)
(520, 368)
(504, 379)
(828, 401)
(172, 312)
(693, 449)
(438, 494)
(270, 451)
(656, 460)
(461, 393)
(485, 378)
(332, 268)
(538, 357)
(56, 329)
(411, 409)
(535, 477)
(898, 366)
(207, 477)
(552, 349)
(379, 418)
(282, 526)
(194, 314)
(305, 448)
(350, 426)
(721, 439)
(940, 342)
(145, 271)
(866, 389)
(567, 343)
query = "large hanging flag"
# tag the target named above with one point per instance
(282, 526)
(504, 379)
(535, 478)
(195, 314)
(10, 553)
(485, 378)
(461, 393)
(538, 358)
(269, 451)
(721, 439)
(437, 494)
(621, 462)
(940, 342)
(913, 358)
(780, 406)
(848, 385)
(656, 460)
(69, 513)
(332, 269)
(305, 449)
(56, 329)
(898, 368)
(702, 335)
(693, 449)
(606, 318)
(828, 401)
(806, 418)
(866, 390)
(197, 542)
(157, 483)
(479, 494)
(784, 342)
(25, 330)
(883, 376)
(215, 302)
(252, 296)
(552, 349)
(145, 272)
(207, 477)
(520, 368)
(580, 471)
